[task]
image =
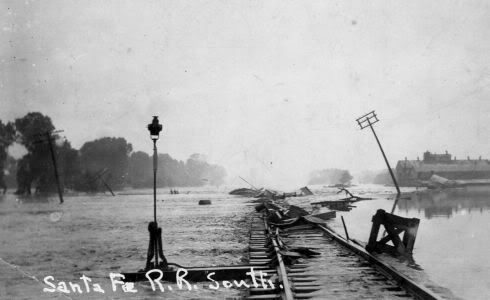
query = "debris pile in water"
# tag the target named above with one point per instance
(270, 194)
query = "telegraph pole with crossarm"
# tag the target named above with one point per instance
(368, 120)
(48, 138)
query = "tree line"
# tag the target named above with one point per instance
(377, 177)
(330, 176)
(108, 159)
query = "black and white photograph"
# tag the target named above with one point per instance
(244, 149)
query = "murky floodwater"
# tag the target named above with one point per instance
(453, 239)
(97, 235)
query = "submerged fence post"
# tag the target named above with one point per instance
(367, 121)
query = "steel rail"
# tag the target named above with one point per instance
(408, 284)
(286, 291)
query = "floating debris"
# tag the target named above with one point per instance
(270, 194)
(246, 192)
(305, 191)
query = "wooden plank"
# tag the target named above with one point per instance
(373, 236)
(400, 221)
(326, 215)
(395, 238)
(386, 239)
(263, 297)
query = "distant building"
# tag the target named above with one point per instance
(411, 172)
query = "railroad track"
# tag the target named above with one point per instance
(340, 270)
(264, 250)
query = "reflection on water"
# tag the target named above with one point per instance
(446, 203)
(452, 241)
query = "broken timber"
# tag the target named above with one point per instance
(394, 225)
(301, 271)
(343, 204)
(340, 205)
(402, 280)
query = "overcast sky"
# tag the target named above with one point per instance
(268, 89)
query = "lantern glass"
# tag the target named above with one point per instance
(155, 127)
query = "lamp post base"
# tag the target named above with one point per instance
(155, 249)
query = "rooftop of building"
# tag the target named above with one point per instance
(445, 162)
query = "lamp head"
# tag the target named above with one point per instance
(155, 127)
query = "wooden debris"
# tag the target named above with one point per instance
(246, 192)
(326, 216)
(394, 225)
(305, 191)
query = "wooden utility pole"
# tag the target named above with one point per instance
(248, 183)
(48, 138)
(367, 121)
(53, 157)
(99, 175)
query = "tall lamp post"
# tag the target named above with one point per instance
(367, 121)
(155, 127)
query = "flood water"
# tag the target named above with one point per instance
(453, 239)
(99, 234)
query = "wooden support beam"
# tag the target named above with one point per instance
(386, 239)
(394, 225)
